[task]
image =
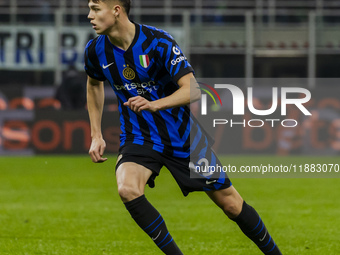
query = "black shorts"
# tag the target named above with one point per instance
(179, 168)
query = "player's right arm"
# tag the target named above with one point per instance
(95, 105)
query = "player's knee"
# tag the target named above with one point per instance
(128, 193)
(232, 210)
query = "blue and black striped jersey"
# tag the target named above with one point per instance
(150, 67)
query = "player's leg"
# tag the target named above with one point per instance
(131, 181)
(251, 224)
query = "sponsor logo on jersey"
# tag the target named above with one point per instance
(176, 50)
(106, 66)
(144, 61)
(178, 60)
(128, 73)
(141, 88)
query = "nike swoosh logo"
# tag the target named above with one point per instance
(104, 67)
(153, 239)
(263, 236)
(210, 182)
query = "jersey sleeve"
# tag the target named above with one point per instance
(92, 66)
(174, 60)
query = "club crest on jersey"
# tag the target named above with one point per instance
(144, 61)
(129, 73)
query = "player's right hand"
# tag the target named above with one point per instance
(97, 149)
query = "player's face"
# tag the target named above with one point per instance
(101, 16)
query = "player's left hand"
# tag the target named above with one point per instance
(138, 104)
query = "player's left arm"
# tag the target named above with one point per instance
(187, 93)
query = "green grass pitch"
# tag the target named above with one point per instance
(68, 205)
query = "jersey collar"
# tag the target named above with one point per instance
(135, 39)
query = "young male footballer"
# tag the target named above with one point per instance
(151, 78)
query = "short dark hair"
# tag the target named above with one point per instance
(126, 4)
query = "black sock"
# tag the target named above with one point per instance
(150, 220)
(253, 227)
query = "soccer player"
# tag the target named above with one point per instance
(151, 78)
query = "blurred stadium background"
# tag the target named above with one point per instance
(41, 61)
